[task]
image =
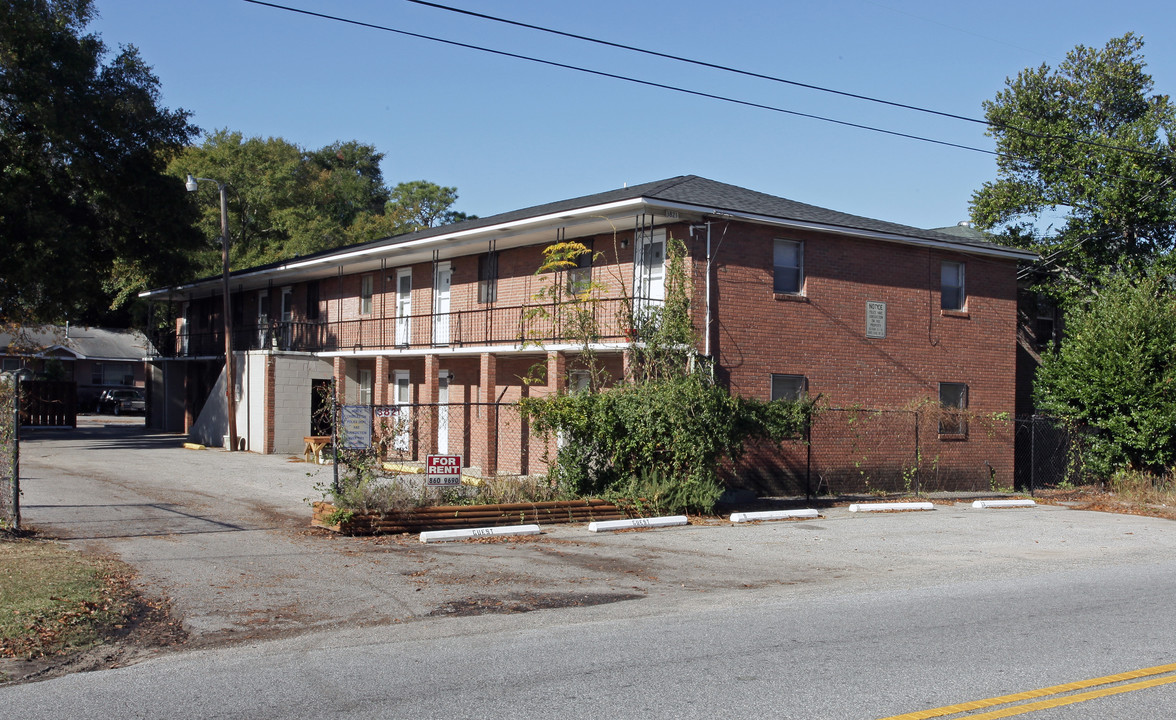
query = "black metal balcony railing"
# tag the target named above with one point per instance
(502, 325)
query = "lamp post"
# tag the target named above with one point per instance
(230, 374)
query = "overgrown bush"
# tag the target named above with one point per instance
(1115, 374)
(658, 436)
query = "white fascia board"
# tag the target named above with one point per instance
(997, 251)
(473, 350)
(450, 241)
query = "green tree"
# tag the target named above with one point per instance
(421, 204)
(1115, 373)
(1086, 168)
(84, 201)
(285, 201)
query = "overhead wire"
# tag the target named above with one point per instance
(786, 81)
(673, 88)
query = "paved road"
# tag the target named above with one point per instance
(847, 616)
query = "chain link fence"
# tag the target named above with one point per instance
(9, 454)
(1049, 453)
(847, 451)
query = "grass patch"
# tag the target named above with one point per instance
(55, 600)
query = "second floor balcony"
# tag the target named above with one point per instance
(605, 320)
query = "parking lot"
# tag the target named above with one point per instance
(226, 538)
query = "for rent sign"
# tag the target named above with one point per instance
(443, 470)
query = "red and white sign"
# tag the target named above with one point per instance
(443, 470)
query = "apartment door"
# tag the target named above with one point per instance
(401, 399)
(263, 311)
(286, 331)
(184, 328)
(404, 306)
(443, 412)
(649, 269)
(441, 281)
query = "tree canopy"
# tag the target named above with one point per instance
(84, 202)
(284, 201)
(1116, 373)
(1086, 172)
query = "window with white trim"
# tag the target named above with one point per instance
(787, 267)
(366, 290)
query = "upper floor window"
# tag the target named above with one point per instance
(951, 286)
(366, 286)
(789, 387)
(488, 277)
(580, 277)
(788, 267)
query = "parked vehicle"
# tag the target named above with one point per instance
(122, 401)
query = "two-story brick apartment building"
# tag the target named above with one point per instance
(787, 298)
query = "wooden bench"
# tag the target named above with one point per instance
(314, 446)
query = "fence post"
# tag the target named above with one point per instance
(1032, 452)
(14, 485)
(334, 439)
(808, 470)
(918, 458)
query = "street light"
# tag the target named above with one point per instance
(230, 375)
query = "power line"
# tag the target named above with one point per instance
(785, 81)
(625, 78)
(688, 91)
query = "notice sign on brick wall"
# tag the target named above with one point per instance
(875, 319)
(443, 470)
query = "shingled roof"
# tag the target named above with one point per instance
(711, 195)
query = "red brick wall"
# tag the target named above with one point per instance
(821, 335)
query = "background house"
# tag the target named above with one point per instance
(438, 330)
(96, 359)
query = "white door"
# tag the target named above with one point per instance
(364, 396)
(263, 309)
(441, 282)
(404, 306)
(443, 413)
(287, 329)
(649, 269)
(401, 398)
(184, 329)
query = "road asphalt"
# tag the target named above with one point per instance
(225, 538)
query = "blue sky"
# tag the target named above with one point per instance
(509, 133)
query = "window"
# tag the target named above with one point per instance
(953, 401)
(578, 381)
(112, 373)
(488, 277)
(10, 364)
(789, 387)
(312, 300)
(580, 277)
(365, 295)
(951, 286)
(788, 267)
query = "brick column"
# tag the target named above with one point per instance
(341, 379)
(488, 389)
(271, 398)
(380, 382)
(429, 392)
(557, 372)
